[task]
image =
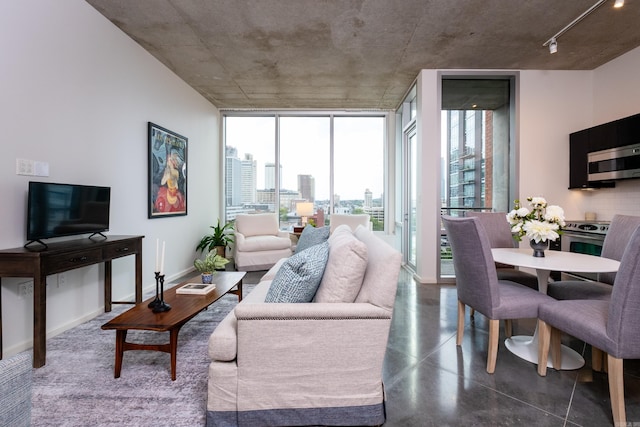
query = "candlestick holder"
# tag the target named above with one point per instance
(156, 302)
(162, 306)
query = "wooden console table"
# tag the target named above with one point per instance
(60, 257)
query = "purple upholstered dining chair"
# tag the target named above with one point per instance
(608, 325)
(499, 232)
(478, 285)
(620, 231)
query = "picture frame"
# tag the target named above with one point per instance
(167, 172)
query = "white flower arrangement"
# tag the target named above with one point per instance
(539, 224)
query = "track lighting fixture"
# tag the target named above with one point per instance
(553, 41)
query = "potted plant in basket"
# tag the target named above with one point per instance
(218, 240)
(208, 266)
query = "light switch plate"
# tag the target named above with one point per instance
(24, 167)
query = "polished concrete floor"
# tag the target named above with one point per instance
(429, 381)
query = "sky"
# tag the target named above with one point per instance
(305, 150)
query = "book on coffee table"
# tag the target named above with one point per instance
(196, 288)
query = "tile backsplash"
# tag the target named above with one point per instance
(623, 199)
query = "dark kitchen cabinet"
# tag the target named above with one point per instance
(603, 137)
(581, 143)
(628, 131)
(578, 149)
(614, 134)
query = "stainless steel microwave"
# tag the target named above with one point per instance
(614, 163)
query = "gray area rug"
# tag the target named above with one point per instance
(76, 387)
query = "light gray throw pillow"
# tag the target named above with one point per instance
(299, 277)
(312, 236)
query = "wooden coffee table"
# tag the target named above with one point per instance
(183, 309)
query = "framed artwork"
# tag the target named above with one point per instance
(167, 172)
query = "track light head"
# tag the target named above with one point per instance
(618, 3)
(553, 46)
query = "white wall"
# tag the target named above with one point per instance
(428, 176)
(552, 104)
(78, 93)
(616, 94)
(617, 88)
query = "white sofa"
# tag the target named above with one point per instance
(315, 363)
(259, 243)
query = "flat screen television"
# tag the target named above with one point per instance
(56, 210)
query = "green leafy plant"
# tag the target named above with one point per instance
(210, 263)
(221, 236)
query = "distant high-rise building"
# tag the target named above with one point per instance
(368, 198)
(466, 168)
(268, 197)
(270, 176)
(249, 179)
(375, 213)
(233, 178)
(307, 187)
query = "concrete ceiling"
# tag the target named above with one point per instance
(360, 54)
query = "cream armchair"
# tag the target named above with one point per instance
(259, 243)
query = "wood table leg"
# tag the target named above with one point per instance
(238, 290)
(173, 344)
(39, 319)
(108, 280)
(139, 275)
(0, 318)
(121, 336)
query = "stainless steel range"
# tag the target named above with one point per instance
(586, 238)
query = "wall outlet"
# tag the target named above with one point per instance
(25, 289)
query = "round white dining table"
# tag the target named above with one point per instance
(524, 346)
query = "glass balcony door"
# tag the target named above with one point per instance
(476, 147)
(410, 196)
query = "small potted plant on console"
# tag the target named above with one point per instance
(208, 266)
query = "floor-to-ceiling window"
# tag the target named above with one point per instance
(476, 149)
(282, 162)
(249, 167)
(358, 167)
(407, 175)
(305, 144)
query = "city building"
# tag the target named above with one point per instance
(233, 178)
(270, 176)
(307, 187)
(249, 179)
(368, 198)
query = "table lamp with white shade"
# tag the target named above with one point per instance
(304, 210)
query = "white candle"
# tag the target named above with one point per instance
(162, 260)
(157, 255)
